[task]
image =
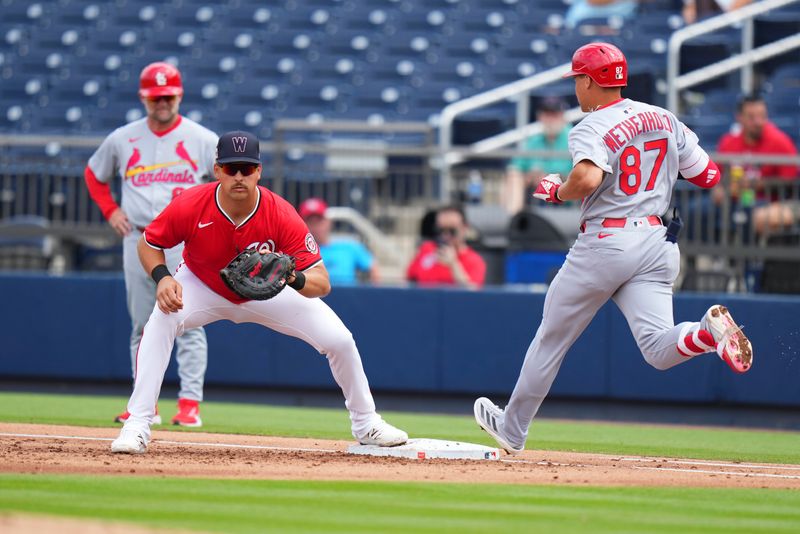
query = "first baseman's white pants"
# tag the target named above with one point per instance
(636, 267)
(192, 353)
(309, 319)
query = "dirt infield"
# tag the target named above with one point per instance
(80, 450)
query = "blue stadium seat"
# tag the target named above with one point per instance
(78, 90)
(469, 45)
(139, 15)
(416, 44)
(41, 62)
(59, 38)
(787, 77)
(195, 16)
(61, 118)
(15, 117)
(355, 45)
(243, 117)
(25, 12)
(489, 21)
(23, 89)
(510, 69)
(169, 42)
(455, 70)
(98, 62)
(709, 128)
(332, 67)
(274, 69)
(290, 42)
(115, 114)
(717, 102)
(375, 19)
(307, 18)
(84, 14)
(255, 16)
(784, 102)
(115, 39)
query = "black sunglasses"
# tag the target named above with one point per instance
(447, 230)
(245, 168)
(155, 99)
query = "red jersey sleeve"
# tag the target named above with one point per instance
(296, 240)
(474, 266)
(170, 227)
(412, 273)
(787, 147)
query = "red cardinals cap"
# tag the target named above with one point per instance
(602, 62)
(160, 79)
(312, 206)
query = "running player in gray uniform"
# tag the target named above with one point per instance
(626, 159)
(157, 157)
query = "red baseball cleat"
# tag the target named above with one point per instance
(732, 345)
(188, 413)
(121, 418)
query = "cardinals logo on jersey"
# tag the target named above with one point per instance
(144, 175)
(182, 153)
(132, 161)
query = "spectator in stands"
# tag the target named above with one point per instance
(694, 10)
(590, 9)
(524, 173)
(755, 134)
(448, 260)
(344, 257)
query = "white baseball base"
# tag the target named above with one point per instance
(426, 449)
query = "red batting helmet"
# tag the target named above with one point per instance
(160, 79)
(602, 62)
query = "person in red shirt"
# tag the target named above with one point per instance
(757, 135)
(448, 260)
(215, 222)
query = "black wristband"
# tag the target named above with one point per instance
(299, 281)
(159, 272)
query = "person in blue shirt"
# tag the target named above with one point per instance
(344, 257)
(524, 173)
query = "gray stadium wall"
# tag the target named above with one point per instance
(411, 340)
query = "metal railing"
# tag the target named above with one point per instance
(743, 61)
(727, 231)
(520, 90)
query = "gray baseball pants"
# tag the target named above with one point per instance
(636, 267)
(192, 353)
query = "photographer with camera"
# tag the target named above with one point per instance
(448, 260)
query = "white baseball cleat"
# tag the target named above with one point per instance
(130, 441)
(490, 418)
(732, 345)
(383, 434)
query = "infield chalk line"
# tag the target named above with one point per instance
(710, 464)
(712, 472)
(534, 462)
(169, 442)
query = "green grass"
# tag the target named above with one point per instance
(629, 439)
(303, 506)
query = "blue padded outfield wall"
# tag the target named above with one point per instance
(414, 340)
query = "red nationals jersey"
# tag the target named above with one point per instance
(212, 240)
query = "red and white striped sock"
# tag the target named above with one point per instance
(694, 341)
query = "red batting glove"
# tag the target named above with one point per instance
(547, 190)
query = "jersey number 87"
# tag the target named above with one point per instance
(630, 166)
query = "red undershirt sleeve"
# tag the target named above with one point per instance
(100, 193)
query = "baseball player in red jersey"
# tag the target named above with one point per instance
(215, 222)
(626, 159)
(157, 157)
